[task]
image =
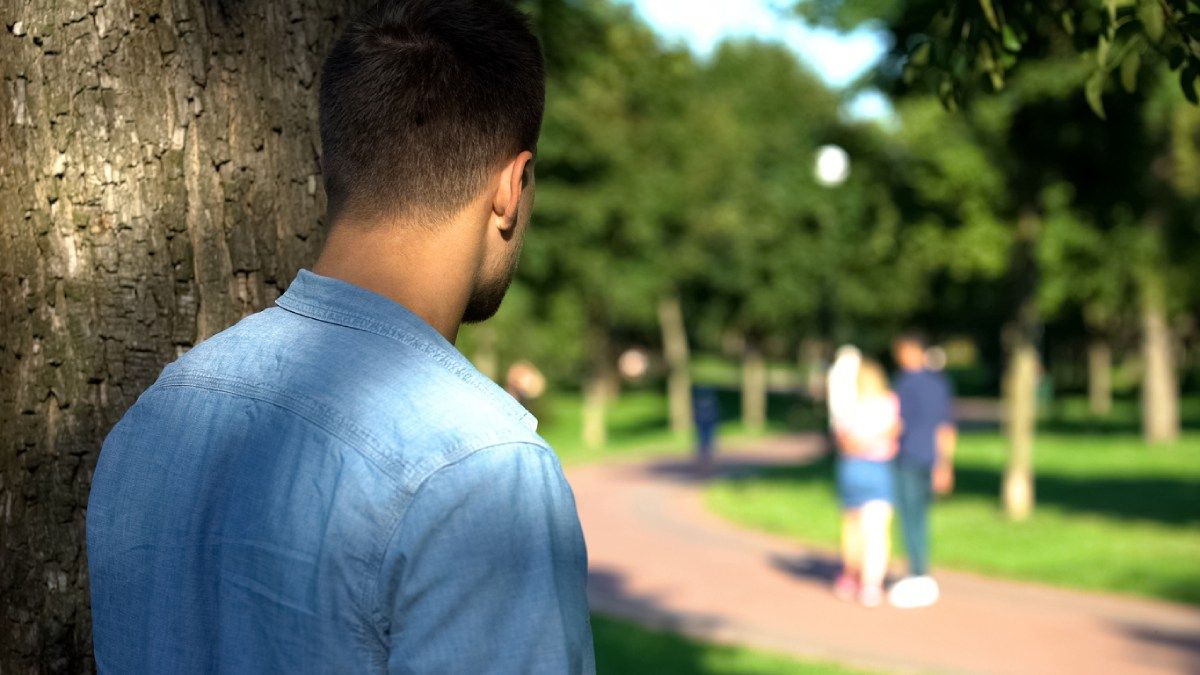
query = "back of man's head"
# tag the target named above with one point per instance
(421, 100)
(909, 349)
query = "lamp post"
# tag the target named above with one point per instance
(831, 168)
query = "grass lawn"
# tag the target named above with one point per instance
(1112, 513)
(638, 425)
(623, 648)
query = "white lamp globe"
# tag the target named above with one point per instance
(832, 165)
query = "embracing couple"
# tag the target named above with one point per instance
(895, 450)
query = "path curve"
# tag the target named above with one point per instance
(658, 557)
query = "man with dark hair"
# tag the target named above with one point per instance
(329, 485)
(924, 463)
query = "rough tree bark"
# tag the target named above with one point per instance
(1021, 376)
(754, 388)
(676, 352)
(158, 180)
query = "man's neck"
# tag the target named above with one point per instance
(424, 272)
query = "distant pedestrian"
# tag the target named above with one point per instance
(867, 435)
(924, 464)
(707, 415)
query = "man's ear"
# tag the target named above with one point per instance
(514, 178)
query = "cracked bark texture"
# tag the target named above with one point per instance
(158, 181)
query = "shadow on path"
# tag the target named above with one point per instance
(818, 567)
(1186, 643)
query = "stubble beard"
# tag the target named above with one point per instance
(489, 294)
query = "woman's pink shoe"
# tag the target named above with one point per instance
(870, 596)
(846, 587)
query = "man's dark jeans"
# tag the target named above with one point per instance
(914, 492)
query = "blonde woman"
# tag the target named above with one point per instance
(867, 442)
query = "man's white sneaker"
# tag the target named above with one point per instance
(914, 592)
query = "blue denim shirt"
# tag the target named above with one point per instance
(329, 486)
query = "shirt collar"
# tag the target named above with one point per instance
(338, 302)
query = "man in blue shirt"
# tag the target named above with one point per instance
(924, 464)
(329, 486)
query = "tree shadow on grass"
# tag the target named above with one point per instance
(1113, 426)
(1170, 501)
(635, 634)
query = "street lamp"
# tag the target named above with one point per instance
(832, 166)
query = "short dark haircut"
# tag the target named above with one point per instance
(421, 100)
(914, 336)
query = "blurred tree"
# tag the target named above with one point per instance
(958, 46)
(755, 207)
(610, 195)
(158, 181)
(1037, 133)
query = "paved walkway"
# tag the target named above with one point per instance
(660, 558)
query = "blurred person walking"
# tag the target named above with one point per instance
(706, 413)
(841, 384)
(867, 435)
(924, 463)
(329, 485)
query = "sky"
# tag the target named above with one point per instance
(838, 58)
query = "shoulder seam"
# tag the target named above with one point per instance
(459, 369)
(396, 527)
(321, 415)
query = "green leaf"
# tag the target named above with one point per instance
(947, 94)
(1011, 42)
(989, 11)
(1175, 56)
(1129, 70)
(1187, 81)
(1093, 90)
(1068, 22)
(920, 54)
(1151, 15)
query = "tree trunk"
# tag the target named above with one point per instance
(1021, 376)
(1099, 367)
(158, 181)
(599, 387)
(754, 389)
(679, 377)
(486, 360)
(1160, 387)
(1020, 420)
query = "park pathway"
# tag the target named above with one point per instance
(658, 557)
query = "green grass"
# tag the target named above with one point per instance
(1070, 414)
(638, 425)
(623, 648)
(1112, 513)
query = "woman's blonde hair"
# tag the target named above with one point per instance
(872, 380)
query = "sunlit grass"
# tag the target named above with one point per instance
(638, 426)
(625, 649)
(1112, 513)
